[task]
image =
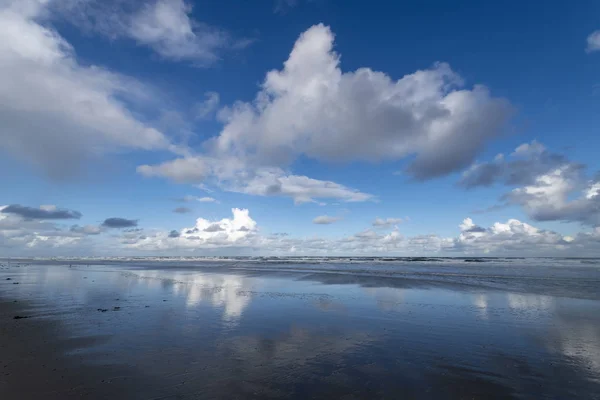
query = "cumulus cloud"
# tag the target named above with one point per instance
(44, 212)
(468, 226)
(14, 223)
(513, 236)
(510, 238)
(182, 210)
(116, 222)
(522, 166)
(240, 233)
(325, 220)
(219, 228)
(593, 42)
(563, 194)
(548, 186)
(28, 232)
(228, 232)
(387, 222)
(312, 108)
(55, 112)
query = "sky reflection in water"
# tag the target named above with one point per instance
(283, 336)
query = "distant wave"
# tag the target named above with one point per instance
(280, 260)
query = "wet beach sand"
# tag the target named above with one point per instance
(237, 330)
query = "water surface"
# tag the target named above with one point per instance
(305, 330)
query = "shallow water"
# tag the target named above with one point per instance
(241, 331)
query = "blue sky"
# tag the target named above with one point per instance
(338, 127)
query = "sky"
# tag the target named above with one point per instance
(299, 127)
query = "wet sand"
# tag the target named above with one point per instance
(160, 331)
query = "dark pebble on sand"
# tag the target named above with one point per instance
(15, 283)
(20, 317)
(9, 279)
(116, 308)
(102, 309)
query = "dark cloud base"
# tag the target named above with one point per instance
(119, 223)
(39, 213)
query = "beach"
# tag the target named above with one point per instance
(323, 329)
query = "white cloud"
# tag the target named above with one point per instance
(562, 194)
(533, 148)
(513, 236)
(312, 108)
(523, 166)
(593, 42)
(207, 200)
(231, 175)
(240, 234)
(592, 191)
(549, 187)
(275, 182)
(189, 198)
(181, 170)
(22, 235)
(208, 107)
(386, 222)
(165, 26)
(55, 112)
(469, 226)
(228, 232)
(325, 220)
